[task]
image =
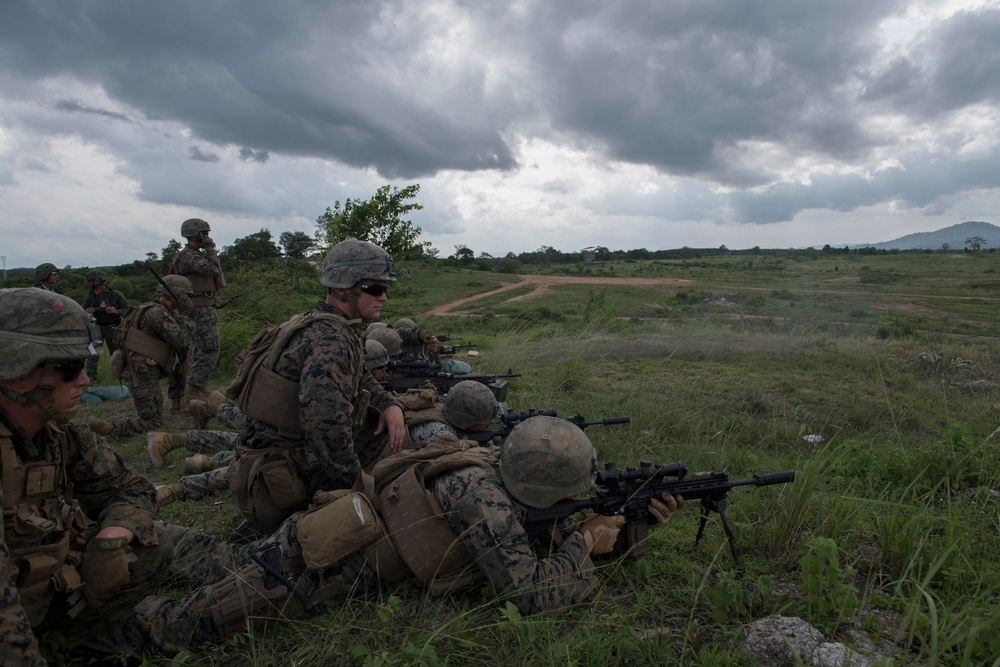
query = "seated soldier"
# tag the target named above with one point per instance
(473, 537)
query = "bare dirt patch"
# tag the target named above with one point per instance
(542, 284)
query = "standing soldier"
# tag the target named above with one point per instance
(47, 276)
(79, 547)
(198, 261)
(107, 306)
(155, 343)
(315, 416)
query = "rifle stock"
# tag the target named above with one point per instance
(628, 493)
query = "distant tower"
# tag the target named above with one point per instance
(589, 254)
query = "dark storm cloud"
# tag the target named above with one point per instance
(250, 155)
(199, 155)
(75, 106)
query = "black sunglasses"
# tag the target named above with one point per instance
(374, 289)
(70, 370)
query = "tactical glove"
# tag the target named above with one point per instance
(104, 570)
(600, 532)
(663, 510)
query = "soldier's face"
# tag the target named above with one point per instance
(370, 307)
(66, 393)
(381, 373)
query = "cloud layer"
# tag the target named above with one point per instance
(641, 124)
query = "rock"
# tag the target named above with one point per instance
(778, 641)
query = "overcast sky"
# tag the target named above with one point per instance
(568, 123)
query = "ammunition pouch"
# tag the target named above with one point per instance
(265, 484)
(139, 342)
(273, 400)
(241, 600)
(338, 524)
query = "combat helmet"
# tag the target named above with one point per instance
(43, 271)
(96, 274)
(375, 325)
(376, 356)
(390, 339)
(179, 285)
(38, 326)
(193, 227)
(351, 261)
(469, 403)
(404, 323)
(546, 459)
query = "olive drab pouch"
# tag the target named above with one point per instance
(265, 485)
(117, 364)
(338, 524)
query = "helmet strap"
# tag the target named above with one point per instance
(40, 395)
(349, 299)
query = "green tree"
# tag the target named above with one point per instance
(296, 244)
(464, 254)
(170, 251)
(975, 243)
(248, 249)
(378, 220)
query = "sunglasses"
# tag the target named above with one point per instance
(373, 289)
(70, 370)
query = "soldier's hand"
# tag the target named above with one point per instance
(89, 310)
(207, 242)
(111, 310)
(601, 532)
(185, 306)
(392, 419)
(663, 509)
(105, 567)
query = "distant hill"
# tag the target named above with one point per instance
(954, 236)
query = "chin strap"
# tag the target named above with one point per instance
(350, 299)
(40, 395)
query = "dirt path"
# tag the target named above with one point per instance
(542, 284)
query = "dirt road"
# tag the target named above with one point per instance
(542, 284)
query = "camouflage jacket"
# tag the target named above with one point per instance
(177, 332)
(100, 303)
(326, 359)
(489, 523)
(191, 261)
(108, 493)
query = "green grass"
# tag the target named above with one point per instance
(890, 518)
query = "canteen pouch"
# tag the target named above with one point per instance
(117, 364)
(343, 524)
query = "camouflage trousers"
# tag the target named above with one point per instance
(230, 415)
(107, 332)
(144, 382)
(233, 597)
(205, 352)
(211, 442)
(209, 483)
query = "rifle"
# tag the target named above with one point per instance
(222, 303)
(452, 349)
(510, 419)
(628, 492)
(405, 380)
(163, 284)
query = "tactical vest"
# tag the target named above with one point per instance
(266, 396)
(204, 287)
(422, 541)
(138, 342)
(43, 529)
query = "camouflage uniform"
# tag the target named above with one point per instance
(326, 360)
(143, 378)
(476, 506)
(106, 321)
(231, 417)
(110, 495)
(205, 355)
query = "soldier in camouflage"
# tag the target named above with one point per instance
(344, 418)
(469, 407)
(482, 496)
(417, 343)
(162, 352)
(107, 306)
(47, 276)
(79, 545)
(198, 261)
(389, 339)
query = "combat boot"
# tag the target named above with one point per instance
(159, 444)
(198, 463)
(168, 494)
(203, 411)
(99, 426)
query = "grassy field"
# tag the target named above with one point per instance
(874, 377)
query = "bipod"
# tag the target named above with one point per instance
(709, 505)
